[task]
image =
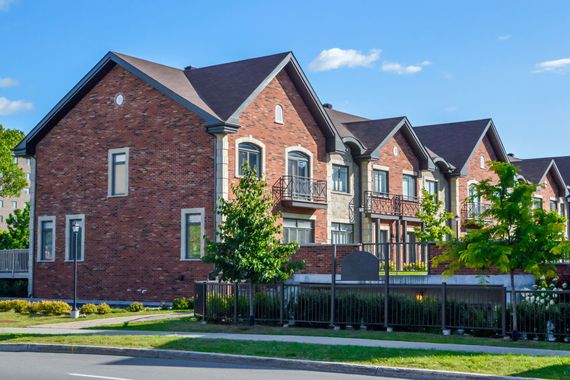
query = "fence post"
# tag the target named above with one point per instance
(386, 284)
(204, 300)
(13, 263)
(443, 304)
(236, 295)
(282, 303)
(333, 285)
(504, 312)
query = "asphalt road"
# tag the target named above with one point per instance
(45, 366)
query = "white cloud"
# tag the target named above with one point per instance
(8, 82)
(5, 4)
(8, 107)
(397, 68)
(504, 37)
(554, 66)
(335, 58)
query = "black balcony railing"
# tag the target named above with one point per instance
(474, 211)
(300, 189)
(390, 204)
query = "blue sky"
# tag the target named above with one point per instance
(433, 61)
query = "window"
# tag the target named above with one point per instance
(118, 172)
(27, 191)
(342, 233)
(15, 160)
(279, 114)
(381, 181)
(340, 178)
(74, 242)
(553, 205)
(300, 230)
(28, 161)
(1, 219)
(14, 204)
(249, 154)
(482, 162)
(409, 187)
(537, 203)
(192, 234)
(1, 204)
(431, 188)
(46, 238)
(28, 177)
(298, 164)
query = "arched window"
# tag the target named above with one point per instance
(298, 164)
(482, 162)
(249, 154)
(279, 114)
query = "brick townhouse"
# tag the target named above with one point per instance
(138, 154)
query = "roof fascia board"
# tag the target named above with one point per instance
(558, 176)
(495, 141)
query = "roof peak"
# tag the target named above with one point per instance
(283, 54)
(485, 120)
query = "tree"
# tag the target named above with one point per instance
(12, 178)
(518, 238)
(248, 248)
(433, 218)
(18, 234)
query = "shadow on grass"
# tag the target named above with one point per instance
(557, 371)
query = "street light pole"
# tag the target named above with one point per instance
(457, 227)
(75, 229)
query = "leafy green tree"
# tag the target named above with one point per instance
(18, 234)
(12, 178)
(518, 238)
(248, 248)
(434, 219)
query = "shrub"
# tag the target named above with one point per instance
(182, 303)
(103, 309)
(21, 306)
(49, 307)
(6, 305)
(88, 308)
(135, 307)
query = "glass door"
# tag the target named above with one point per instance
(298, 166)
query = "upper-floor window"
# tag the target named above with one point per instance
(14, 205)
(249, 154)
(482, 162)
(27, 190)
(279, 114)
(46, 238)
(300, 230)
(15, 159)
(431, 188)
(74, 241)
(118, 172)
(537, 203)
(28, 177)
(409, 187)
(472, 194)
(340, 178)
(381, 181)
(553, 205)
(298, 164)
(342, 233)
(28, 161)
(1, 203)
(192, 233)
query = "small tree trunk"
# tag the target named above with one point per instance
(515, 333)
(251, 305)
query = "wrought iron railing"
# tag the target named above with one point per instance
(303, 189)
(474, 211)
(390, 204)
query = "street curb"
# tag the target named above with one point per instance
(296, 364)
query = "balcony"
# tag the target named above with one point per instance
(393, 205)
(14, 263)
(300, 192)
(473, 212)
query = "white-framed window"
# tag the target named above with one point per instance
(432, 188)
(340, 178)
(192, 231)
(15, 159)
(1, 218)
(28, 177)
(342, 233)
(27, 191)
(118, 172)
(537, 203)
(300, 230)
(250, 154)
(28, 161)
(46, 238)
(409, 187)
(279, 114)
(14, 205)
(482, 162)
(553, 205)
(74, 243)
(380, 181)
(1, 204)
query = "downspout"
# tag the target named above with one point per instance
(32, 226)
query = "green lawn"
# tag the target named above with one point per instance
(191, 324)
(553, 367)
(13, 319)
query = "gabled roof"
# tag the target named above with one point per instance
(563, 165)
(367, 136)
(218, 93)
(535, 170)
(456, 142)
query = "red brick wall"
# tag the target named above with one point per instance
(318, 258)
(548, 190)
(299, 128)
(405, 160)
(474, 170)
(131, 242)
(563, 272)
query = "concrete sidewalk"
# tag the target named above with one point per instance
(493, 350)
(89, 323)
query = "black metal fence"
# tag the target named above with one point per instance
(408, 306)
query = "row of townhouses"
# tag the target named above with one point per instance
(139, 154)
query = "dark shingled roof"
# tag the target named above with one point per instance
(453, 141)
(533, 169)
(225, 87)
(372, 133)
(339, 118)
(563, 164)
